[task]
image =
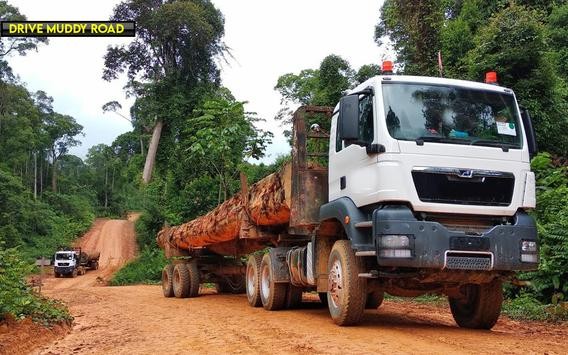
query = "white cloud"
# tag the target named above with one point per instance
(267, 39)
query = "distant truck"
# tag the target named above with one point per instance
(423, 187)
(74, 262)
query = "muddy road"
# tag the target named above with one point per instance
(138, 320)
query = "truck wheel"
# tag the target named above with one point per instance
(194, 279)
(481, 306)
(181, 281)
(374, 299)
(347, 291)
(253, 280)
(74, 273)
(57, 275)
(167, 280)
(293, 296)
(272, 294)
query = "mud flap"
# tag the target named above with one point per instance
(278, 258)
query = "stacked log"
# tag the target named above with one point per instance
(266, 203)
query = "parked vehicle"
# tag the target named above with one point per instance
(74, 262)
(426, 191)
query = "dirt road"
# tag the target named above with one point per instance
(138, 320)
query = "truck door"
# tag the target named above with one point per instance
(351, 168)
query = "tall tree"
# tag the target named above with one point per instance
(414, 27)
(172, 56)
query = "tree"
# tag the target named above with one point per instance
(222, 135)
(61, 131)
(9, 45)
(173, 54)
(414, 27)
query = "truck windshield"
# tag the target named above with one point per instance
(457, 115)
(63, 256)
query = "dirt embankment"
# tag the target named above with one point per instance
(115, 240)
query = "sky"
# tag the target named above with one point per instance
(267, 39)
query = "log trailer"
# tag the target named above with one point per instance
(425, 191)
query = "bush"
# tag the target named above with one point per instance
(526, 307)
(17, 299)
(550, 281)
(146, 269)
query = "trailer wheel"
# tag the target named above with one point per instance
(167, 280)
(293, 296)
(374, 299)
(96, 265)
(181, 281)
(194, 278)
(253, 280)
(346, 294)
(481, 306)
(272, 294)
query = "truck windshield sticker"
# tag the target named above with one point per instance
(507, 128)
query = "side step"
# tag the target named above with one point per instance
(366, 224)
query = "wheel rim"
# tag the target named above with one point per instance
(251, 284)
(265, 282)
(336, 283)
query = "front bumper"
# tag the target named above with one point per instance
(432, 245)
(64, 270)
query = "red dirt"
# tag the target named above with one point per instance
(138, 319)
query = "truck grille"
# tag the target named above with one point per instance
(470, 261)
(63, 264)
(463, 186)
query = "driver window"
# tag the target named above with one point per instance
(365, 124)
(366, 119)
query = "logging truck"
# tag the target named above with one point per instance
(423, 188)
(74, 261)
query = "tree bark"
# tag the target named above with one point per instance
(54, 176)
(267, 203)
(152, 150)
(35, 175)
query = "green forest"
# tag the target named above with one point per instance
(191, 137)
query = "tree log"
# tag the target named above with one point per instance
(267, 203)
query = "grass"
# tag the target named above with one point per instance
(145, 269)
(524, 307)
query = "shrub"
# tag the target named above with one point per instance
(147, 268)
(17, 299)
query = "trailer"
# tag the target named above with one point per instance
(422, 187)
(74, 261)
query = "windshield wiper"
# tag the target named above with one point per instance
(492, 143)
(440, 139)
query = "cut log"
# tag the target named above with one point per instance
(267, 203)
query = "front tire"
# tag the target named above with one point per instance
(167, 280)
(253, 280)
(480, 307)
(346, 294)
(181, 281)
(272, 294)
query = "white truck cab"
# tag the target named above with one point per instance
(429, 178)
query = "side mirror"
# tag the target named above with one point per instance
(348, 120)
(531, 136)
